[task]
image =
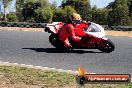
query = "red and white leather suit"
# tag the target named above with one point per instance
(75, 32)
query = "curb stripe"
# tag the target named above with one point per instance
(37, 67)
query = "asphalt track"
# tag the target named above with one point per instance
(33, 48)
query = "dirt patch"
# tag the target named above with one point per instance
(119, 33)
(23, 29)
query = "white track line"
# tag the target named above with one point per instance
(25, 30)
(116, 35)
(37, 67)
(10, 29)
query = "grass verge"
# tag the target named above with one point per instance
(22, 77)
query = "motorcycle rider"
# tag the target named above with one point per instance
(68, 30)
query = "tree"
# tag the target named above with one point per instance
(99, 15)
(68, 11)
(62, 14)
(111, 4)
(54, 6)
(19, 8)
(30, 8)
(130, 8)
(43, 15)
(5, 4)
(11, 17)
(59, 15)
(119, 15)
(81, 6)
(84, 9)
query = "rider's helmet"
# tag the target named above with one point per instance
(75, 18)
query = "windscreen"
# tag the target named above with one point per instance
(93, 28)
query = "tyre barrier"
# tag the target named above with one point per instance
(23, 25)
(42, 25)
(118, 28)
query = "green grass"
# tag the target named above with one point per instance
(47, 78)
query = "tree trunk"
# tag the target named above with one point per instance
(5, 19)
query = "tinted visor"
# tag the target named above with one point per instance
(77, 21)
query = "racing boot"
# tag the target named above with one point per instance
(67, 45)
(69, 49)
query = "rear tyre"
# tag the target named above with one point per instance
(54, 40)
(109, 46)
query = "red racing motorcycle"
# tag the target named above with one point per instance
(97, 39)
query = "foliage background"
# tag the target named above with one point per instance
(116, 13)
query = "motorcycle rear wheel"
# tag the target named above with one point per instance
(54, 40)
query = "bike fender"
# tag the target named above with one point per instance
(104, 38)
(50, 29)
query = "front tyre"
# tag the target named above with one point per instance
(108, 46)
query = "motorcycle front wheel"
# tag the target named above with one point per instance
(108, 46)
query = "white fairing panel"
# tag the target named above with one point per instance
(96, 30)
(52, 28)
(55, 26)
